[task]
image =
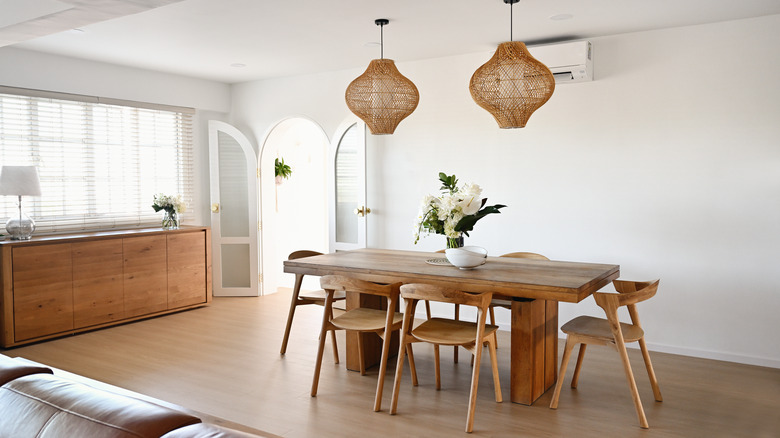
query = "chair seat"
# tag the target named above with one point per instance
(599, 328)
(449, 332)
(363, 319)
(320, 295)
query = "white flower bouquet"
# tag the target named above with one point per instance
(169, 203)
(172, 205)
(454, 212)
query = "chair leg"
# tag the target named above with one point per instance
(412, 366)
(335, 346)
(327, 315)
(474, 386)
(493, 322)
(564, 363)
(457, 318)
(494, 366)
(580, 356)
(437, 367)
(380, 384)
(621, 347)
(290, 315)
(495, 334)
(361, 356)
(399, 368)
(318, 364)
(650, 372)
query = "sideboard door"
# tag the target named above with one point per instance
(98, 292)
(186, 269)
(43, 290)
(145, 275)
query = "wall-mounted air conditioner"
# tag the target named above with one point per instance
(568, 62)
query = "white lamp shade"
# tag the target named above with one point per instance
(20, 180)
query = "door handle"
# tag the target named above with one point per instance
(215, 207)
(362, 211)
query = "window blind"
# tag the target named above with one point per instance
(100, 164)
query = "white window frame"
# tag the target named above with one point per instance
(100, 160)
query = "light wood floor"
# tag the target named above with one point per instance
(224, 360)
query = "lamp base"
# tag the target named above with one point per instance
(20, 228)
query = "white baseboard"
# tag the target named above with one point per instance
(661, 348)
(715, 355)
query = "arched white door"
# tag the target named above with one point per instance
(347, 187)
(233, 183)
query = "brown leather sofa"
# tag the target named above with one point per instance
(35, 402)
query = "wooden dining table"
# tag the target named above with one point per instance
(534, 286)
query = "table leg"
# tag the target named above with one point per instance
(534, 349)
(550, 344)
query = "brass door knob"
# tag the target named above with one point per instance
(362, 211)
(215, 207)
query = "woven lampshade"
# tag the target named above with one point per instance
(382, 96)
(512, 85)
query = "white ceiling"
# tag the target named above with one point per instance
(271, 38)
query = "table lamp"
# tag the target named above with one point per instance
(20, 181)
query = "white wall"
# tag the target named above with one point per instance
(667, 164)
(40, 71)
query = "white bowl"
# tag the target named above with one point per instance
(466, 257)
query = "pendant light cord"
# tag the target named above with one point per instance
(381, 23)
(511, 20)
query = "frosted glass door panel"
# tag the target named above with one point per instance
(347, 186)
(233, 188)
(235, 266)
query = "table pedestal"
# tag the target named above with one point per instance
(534, 354)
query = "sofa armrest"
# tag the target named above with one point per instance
(212, 424)
(47, 405)
(11, 369)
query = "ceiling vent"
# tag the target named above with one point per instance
(568, 62)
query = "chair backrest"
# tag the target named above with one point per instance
(525, 255)
(629, 293)
(349, 284)
(419, 291)
(299, 255)
(302, 253)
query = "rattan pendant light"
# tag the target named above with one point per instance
(382, 96)
(512, 84)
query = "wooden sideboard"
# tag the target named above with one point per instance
(62, 284)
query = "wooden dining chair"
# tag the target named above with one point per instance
(496, 302)
(586, 330)
(440, 331)
(500, 302)
(456, 315)
(307, 297)
(361, 320)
